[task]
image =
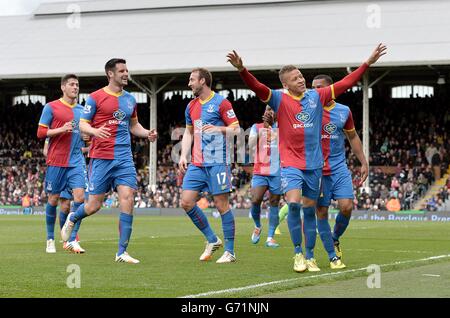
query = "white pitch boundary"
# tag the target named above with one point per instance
(238, 289)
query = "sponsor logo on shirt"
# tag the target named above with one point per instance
(330, 128)
(231, 114)
(303, 117)
(119, 114)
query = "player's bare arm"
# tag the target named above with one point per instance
(137, 130)
(357, 148)
(186, 143)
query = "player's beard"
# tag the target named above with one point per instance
(197, 91)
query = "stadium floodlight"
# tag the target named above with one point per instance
(441, 80)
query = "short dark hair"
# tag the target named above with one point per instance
(111, 64)
(325, 77)
(285, 69)
(204, 73)
(67, 77)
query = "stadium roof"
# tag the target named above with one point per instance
(161, 37)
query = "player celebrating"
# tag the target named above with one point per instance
(109, 116)
(266, 174)
(59, 121)
(299, 113)
(209, 119)
(337, 122)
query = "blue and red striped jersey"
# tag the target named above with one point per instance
(210, 149)
(267, 157)
(116, 111)
(300, 123)
(64, 149)
(337, 119)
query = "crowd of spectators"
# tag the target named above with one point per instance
(407, 135)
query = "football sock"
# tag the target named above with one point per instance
(294, 222)
(201, 222)
(228, 230)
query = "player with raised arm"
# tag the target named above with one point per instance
(299, 113)
(109, 116)
(209, 119)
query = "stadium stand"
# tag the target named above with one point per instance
(410, 155)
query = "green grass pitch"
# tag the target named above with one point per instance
(169, 248)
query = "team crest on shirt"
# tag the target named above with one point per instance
(330, 128)
(231, 114)
(130, 104)
(211, 108)
(49, 186)
(312, 102)
(119, 114)
(302, 117)
(343, 119)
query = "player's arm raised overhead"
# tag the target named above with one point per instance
(262, 91)
(331, 92)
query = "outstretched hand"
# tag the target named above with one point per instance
(379, 51)
(235, 60)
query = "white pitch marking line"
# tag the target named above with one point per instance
(232, 290)
(431, 275)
